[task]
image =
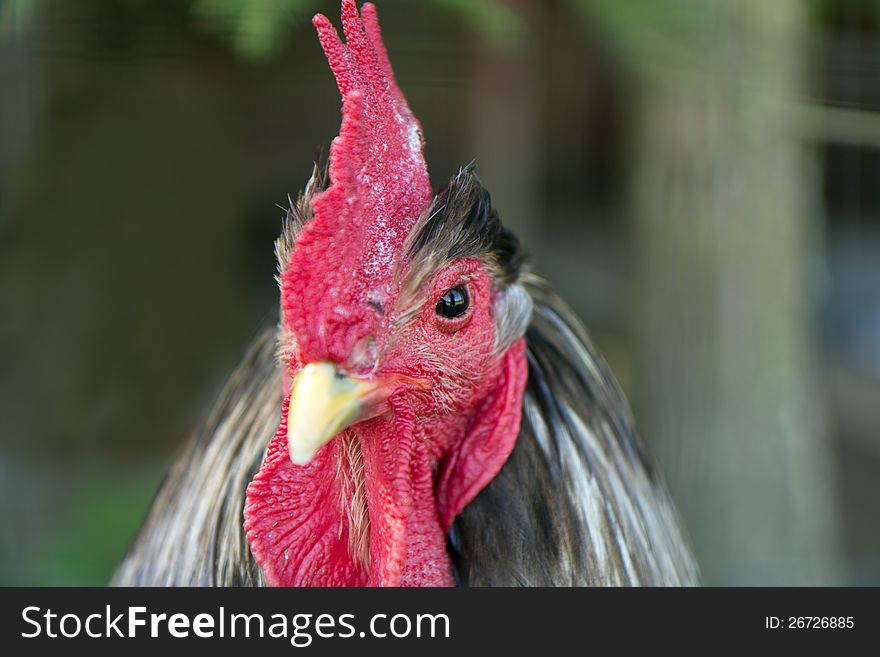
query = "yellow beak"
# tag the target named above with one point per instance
(323, 402)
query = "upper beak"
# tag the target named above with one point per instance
(323, 402)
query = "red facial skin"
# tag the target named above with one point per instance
(444, 439)
(375, 503)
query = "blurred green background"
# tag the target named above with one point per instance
(700, 179)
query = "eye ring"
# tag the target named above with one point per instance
(454, 304)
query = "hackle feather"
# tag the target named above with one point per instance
(577, 502)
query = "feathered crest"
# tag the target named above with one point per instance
(341, 270)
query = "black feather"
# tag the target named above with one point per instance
(577, 502)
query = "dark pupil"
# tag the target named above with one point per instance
(454, 303)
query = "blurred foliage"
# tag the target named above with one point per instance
(15, 15)
(494, 20)
(826, 11)
(85, 544)
(667, 26)
(678, 29)
(73, 556)
(257, 29)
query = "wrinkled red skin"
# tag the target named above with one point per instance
(419, 473)
(455, 411)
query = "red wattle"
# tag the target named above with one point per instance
(297, 519)
(407, 543)
(293, 521)
(373, 506)
(476, 459)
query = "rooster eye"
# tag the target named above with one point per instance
(454, 303)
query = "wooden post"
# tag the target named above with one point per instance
(729, 394)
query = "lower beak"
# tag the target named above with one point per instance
(323, 402)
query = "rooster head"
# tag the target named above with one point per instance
(402, 346)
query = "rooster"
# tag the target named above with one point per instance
(444, 417)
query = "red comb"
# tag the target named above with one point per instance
(343, 262)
